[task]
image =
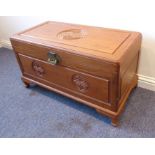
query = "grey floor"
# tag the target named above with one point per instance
(37, 112)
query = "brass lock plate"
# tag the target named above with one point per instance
(53, 58)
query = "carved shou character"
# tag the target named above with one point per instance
(38, 69)
(80, 83)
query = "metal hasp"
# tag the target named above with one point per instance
(53, 58)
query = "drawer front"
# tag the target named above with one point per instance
(90, 86)
(78, 62)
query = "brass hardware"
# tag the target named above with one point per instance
(53, 58)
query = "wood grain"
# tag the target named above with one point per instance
(64, 77)
(97, 66)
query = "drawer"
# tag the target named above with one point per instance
(84, 84)
(68, 58)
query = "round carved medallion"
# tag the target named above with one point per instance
(80, 83)
(71, 34)
(38, 69)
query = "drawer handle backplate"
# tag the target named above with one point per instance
(53, 58)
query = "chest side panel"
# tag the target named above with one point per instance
(129, 63)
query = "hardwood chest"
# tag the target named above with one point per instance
(95, 66)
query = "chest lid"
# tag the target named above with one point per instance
(84, 40)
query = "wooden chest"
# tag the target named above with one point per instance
(95, 66)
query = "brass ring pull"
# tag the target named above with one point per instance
(53, 58)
